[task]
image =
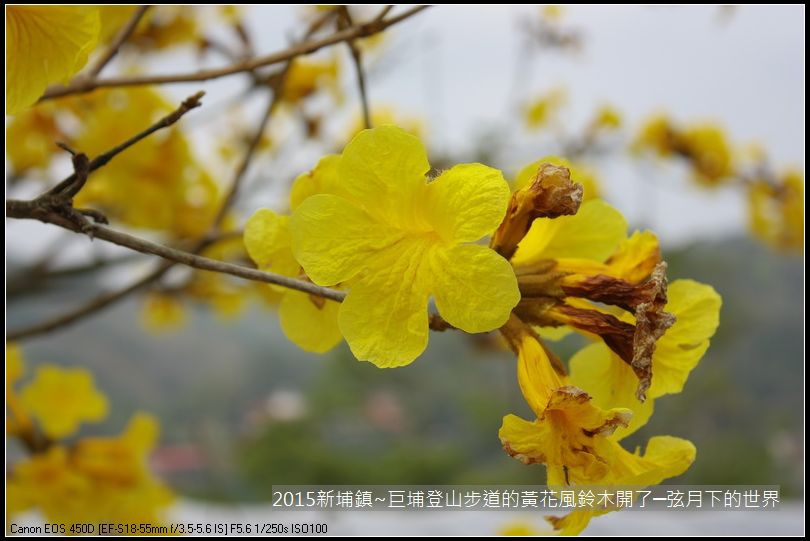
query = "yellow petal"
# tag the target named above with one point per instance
(45, 45)
(384, 169)
(14, 365)
(269, 244)
(384, 316)
(665, 457)
(467, 202)
(554, 334)
(312, 324)
(592, 233)
(322, 179)
(635, 258)
(526, 440)
(536, 377)
(475, 288)
(611, 383)
(697, 309)
(333, 239)
(62, 398)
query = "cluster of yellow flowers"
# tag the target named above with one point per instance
(371, 221)
(776, 200)
(68, 480)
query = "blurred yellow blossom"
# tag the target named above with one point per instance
(31, 138)
(158, 184)
(163, 312)
(306, 76)
(608, 118)
(541, 111)
(776, 211)
(60, 399)
(403, 239)
(704, 146)
(99, 479)
(45, 45)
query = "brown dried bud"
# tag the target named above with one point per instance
(550, 194)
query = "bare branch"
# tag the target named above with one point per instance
(359, 31)
(357, 58)
(96, 305)
(19, 210)
(122, 36)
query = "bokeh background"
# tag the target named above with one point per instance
(242, 408)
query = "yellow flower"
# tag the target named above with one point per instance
(159, 184)
(580, 174)
(17, 420)
(612, 382)
(656, 134)
(308, 321)
(541, 111)
(163, 312)
(607, 118)
(403, 239)
(776, 212)
(571, 435)
(30, 138)
(519, 529)
(14, 365)
(306, 76)
(45, 45)
(709, 153)
(100, 479)
(564, 262)
(593, 233)
(62, 398)
(704, 146)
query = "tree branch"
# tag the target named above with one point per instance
(14, 209)
(357, 58)
(122, 36)
(80, 86)
(192, 102)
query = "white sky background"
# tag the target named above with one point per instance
(747, 73)
(456, 66)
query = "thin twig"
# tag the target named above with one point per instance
(357, 58)
(192, 102)
(359, 31)
(13, 210)
(122, 36)
(96, 305)
(385, 11)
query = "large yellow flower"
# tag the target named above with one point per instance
(402, 239)
(62, 398)
(45, 45)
